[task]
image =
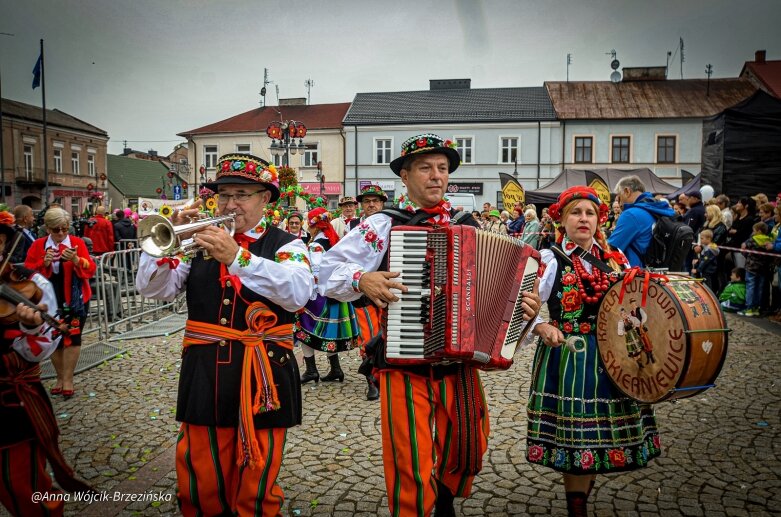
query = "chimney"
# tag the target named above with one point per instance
(296, 101)
(126, 151)
(152, 153)
(759, 56)
(449, 84)
(644, 73)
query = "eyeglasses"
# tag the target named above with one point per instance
(224, 199)
(59, 230)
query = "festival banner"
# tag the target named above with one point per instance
(512, 191)
(596, 182)
(148, 206)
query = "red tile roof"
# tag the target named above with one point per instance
(602, 100)
(767, 74)
(314, 116)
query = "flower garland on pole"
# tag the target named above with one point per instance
(289, 191)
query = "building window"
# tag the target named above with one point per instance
(621, 149)
(28, 160)
(583, 146)
(75, 162)
(382, 150)
(210, 156)
(464, 148)
(91, 164)
(665, 149)
(58, 160)
(242, 148)
(75, 205)
(311, 155)
(509, 149)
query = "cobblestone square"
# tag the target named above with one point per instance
(721, 450)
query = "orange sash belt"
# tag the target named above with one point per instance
(261, 323)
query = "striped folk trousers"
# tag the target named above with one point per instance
(209, 481)
(418, 441)
(24, 473)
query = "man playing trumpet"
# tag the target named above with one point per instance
(237, 346)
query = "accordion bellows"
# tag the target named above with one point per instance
(464, 298)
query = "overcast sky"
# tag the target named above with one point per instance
(144, 70)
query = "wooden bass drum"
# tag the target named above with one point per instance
(672, 348)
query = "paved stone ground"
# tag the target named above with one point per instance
(722, 450)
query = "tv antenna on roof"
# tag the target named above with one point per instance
(308, 83)
(614, 64)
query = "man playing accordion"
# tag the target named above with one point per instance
(423, 439)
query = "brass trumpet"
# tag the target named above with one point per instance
(158, 237)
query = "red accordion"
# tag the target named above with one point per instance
(464, 298)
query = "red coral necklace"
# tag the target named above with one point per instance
(597, 280)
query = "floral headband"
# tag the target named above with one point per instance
(247, 166)
(317, 216)
(576, 194)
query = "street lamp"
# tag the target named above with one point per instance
(283, 136)
(320, 177)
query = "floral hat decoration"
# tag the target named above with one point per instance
(575, 194)
(246, 169)
(427, 143)
(372, 190)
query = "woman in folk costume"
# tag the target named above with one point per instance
(578, 422)
(323, 324)
(29, 433)
(64, 259)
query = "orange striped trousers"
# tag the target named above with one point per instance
(23, 473)
(418, 441)
(209, 481)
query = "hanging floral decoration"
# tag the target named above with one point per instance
(103, 176)
(170, 174)
(159, 190)
(90, 187)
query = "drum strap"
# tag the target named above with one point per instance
(584, 255)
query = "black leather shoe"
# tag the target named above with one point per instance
(336, 373)
(372, 393)
(311, 373)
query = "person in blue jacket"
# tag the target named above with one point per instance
(632, 233)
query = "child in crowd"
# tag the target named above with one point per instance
(733, 297)
(757, 269)
(705, 266)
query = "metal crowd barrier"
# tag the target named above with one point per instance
(120, 311)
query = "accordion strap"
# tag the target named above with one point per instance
(584, 255)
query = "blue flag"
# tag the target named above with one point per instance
(37, 72)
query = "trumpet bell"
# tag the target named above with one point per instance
(158, 237)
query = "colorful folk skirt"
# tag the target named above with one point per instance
(327, 325)
(578, 422)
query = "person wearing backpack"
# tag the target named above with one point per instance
(633, 230)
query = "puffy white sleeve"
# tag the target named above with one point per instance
(287, 280)
(38, 343)
(161, 281)
(360, 251)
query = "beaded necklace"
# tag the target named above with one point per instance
(596, 281)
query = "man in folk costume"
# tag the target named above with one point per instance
(239, 387)
(428, 456)
(29, 434)
(342, 223)
(372, 198)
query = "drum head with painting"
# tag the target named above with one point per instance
(673, 347)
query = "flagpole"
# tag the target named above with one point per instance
(45, 144)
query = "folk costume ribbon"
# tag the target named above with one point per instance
(261, 328)
(637, 272)
(23, 379)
